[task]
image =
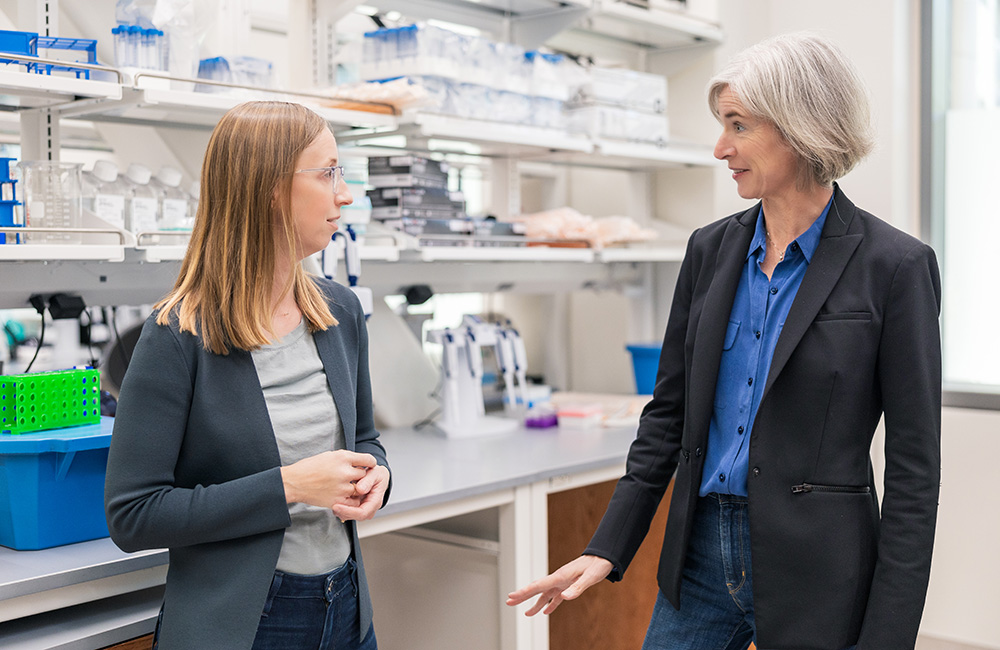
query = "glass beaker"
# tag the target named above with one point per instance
(53, 198)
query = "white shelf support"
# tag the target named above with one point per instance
(40, 16)
(506, 188)
(39, 135)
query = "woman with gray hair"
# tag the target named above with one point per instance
(795, 327)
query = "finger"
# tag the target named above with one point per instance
(556, 600)
(356, 459)
(364, 485)
(587, 579)
(355, 513)
(523, 594)
(542, 601)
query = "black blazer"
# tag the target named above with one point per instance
(861, 339)
(194, 467)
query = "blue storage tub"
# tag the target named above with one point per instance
(645, 361)
(52, 486)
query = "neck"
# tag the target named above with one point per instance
(281, 298)
(790, 215)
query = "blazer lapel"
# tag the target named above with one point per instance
(714, 318)
(832, 255)
(329, 343)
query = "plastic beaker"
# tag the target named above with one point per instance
(53, 198)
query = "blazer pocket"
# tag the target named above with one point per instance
(844, 315)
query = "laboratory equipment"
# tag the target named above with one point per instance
(52, 199)
(352, 266)
(112, 189)
(645, 362)
(29, 44)
(49, 400)
(463, 410)
(8, 203)
(52, 486)
(174, 202)
(141, 205)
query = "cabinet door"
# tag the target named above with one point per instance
(140, 643)
(608, 616)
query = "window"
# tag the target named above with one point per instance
(961, 119)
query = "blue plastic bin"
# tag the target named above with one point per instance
(645, 361)
(52, 486)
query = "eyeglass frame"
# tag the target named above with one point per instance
(336, 181)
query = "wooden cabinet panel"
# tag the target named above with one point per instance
(140, 643)
(610, 616)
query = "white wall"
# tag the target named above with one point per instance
(962, 602)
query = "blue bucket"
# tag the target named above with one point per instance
(645, 361)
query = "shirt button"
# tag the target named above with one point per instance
(750, 382)
(795, 246)
(697, 452)
(757, 333)
(756, 471)
(774, 290)
(722, 478)
(740, 430)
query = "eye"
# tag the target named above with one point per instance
(739, 128)
(328, 172)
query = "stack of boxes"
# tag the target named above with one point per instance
(410, 193)
(621, 104)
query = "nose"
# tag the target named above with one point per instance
(723, 148)
(343, 195)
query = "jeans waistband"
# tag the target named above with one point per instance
(318, 585)
(726, 498)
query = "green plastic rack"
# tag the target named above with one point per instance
(49, 400)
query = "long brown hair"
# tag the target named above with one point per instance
(223, 292)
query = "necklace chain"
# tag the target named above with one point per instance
(781, 254)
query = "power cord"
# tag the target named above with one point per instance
(38, 302)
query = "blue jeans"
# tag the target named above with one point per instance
(717, 587)
(313, 612)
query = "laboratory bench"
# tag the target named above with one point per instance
(466, 503)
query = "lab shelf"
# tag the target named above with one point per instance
(505, 254)
(62, 252)
(24, 90)
(656, 28)
(490, 138)
(619, 154)
(187, 108)
(660, 253)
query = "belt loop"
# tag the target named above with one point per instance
(353, 568)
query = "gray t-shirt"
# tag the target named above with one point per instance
(306, 422)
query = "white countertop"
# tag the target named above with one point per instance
(427, 468)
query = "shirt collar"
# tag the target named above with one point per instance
(808, 241)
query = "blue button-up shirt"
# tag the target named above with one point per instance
(755, 322)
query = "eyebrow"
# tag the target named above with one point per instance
(733, 114)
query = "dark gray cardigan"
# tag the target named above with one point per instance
(194, 467)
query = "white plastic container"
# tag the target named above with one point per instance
(141, 207)
(627, 88)
(174, 202)
(111, 192)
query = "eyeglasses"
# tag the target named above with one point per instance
(334, 174)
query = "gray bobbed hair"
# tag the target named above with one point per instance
(804, 85)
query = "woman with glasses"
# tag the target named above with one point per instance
(795, 326)
(244, 440)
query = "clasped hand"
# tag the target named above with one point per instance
(352, 485)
